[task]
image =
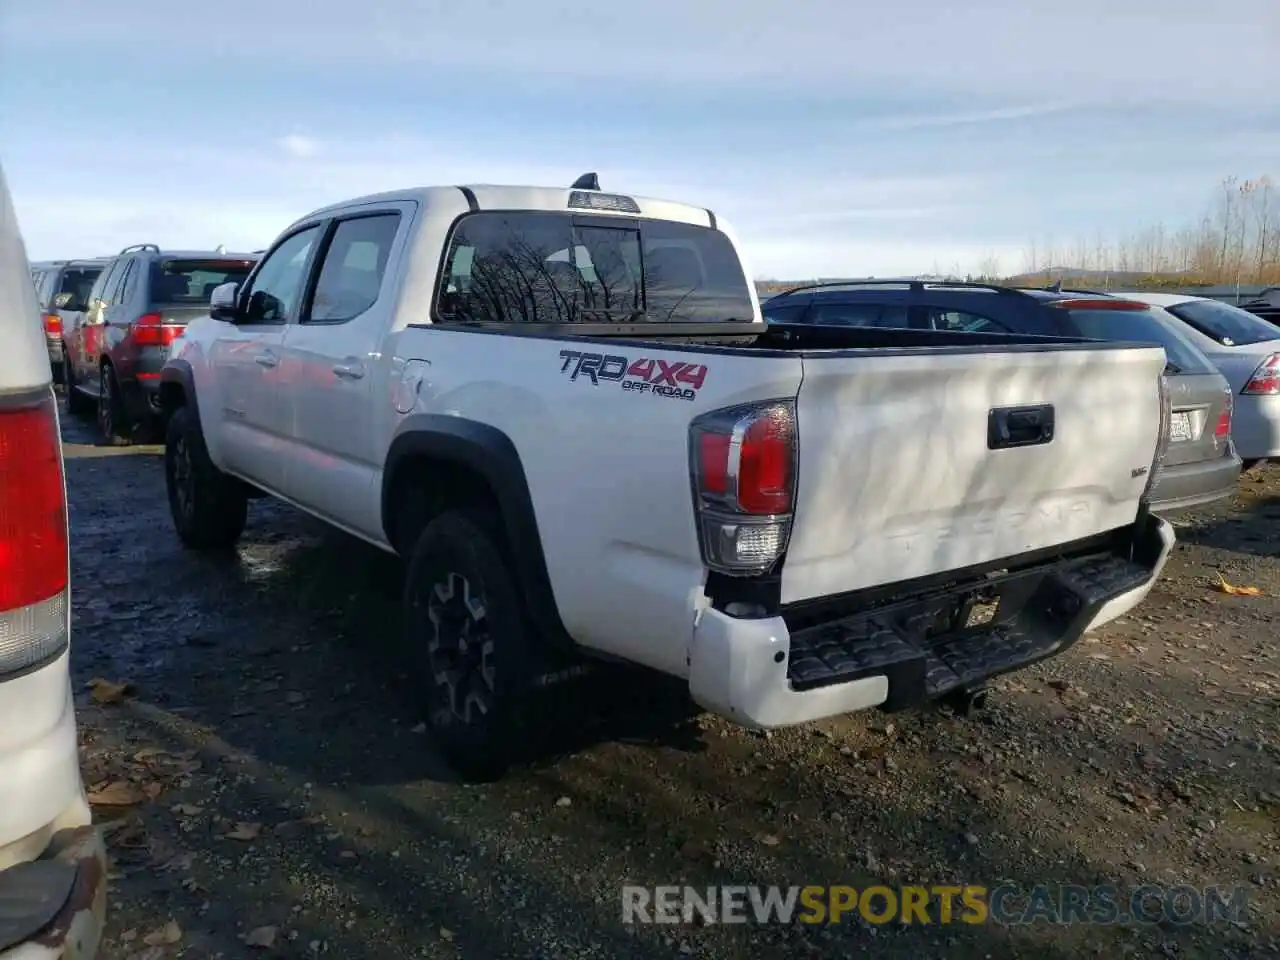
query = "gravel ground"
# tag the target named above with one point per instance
(267, 790)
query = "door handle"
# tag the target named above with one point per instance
(348, 371)
(1019, 426)
(267, 359)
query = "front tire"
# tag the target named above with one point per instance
(209, 508)
(465, 624)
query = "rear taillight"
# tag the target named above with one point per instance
(1164, 402)
(33, 536)
(743, 462)
(150, 330)
(1265, 381)
(52, 323)
(1222, 429)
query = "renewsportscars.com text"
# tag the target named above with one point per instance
(937, 904)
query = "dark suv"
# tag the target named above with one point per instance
(1266, 305)
(1201, 465)
(62, 289)
(139, 305)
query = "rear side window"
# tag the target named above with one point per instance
(860, 315)
(354, 265)
(193, 281)
(1142, 326)
(942, 319)
(554, 268)
(44, 280)
(115, 275)
(1229, 325)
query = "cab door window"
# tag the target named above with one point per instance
(275, 292)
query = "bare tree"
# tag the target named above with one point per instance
(1226, 217)
(1262, 213)
(989, 269)
(1030, 258)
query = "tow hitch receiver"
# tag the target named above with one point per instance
(967, 702)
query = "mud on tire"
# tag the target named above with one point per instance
(466, 628)
(208, 507)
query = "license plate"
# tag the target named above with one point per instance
(1180, 427)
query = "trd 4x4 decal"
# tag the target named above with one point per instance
(662, 378)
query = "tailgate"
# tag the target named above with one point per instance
(898, 480)
(1197, 403)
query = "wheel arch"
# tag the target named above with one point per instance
(177, 388)
(453, 447)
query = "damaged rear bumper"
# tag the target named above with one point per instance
(913, 649)
(54, 907)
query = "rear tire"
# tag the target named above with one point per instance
(465, 625)
(209, 508)
(113, 419)
(78, 404)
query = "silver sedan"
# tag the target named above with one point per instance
(1246, 350)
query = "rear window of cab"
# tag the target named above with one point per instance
(549, 267)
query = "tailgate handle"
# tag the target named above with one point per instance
(1019, 426)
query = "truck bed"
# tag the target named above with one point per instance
(782, 339)
(920, 451)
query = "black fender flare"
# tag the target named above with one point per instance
(179, 371)
(490, 453)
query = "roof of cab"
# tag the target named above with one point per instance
(508, 197)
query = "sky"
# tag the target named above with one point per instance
(839, 139)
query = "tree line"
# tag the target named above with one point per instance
(1235, 242)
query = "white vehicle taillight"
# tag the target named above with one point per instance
(1265, 381)
(743, 463)
(1162, 440)
(33, 535)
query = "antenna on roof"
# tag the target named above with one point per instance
(588, 181)
(1055, 287)
(220, 249)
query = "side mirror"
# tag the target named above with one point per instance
(61, 301)
(222, 302)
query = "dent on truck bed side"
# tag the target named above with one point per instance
(491, 454)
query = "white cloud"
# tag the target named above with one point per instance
(298, 146)
(1002, 114)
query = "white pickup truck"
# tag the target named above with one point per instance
(563, 408)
